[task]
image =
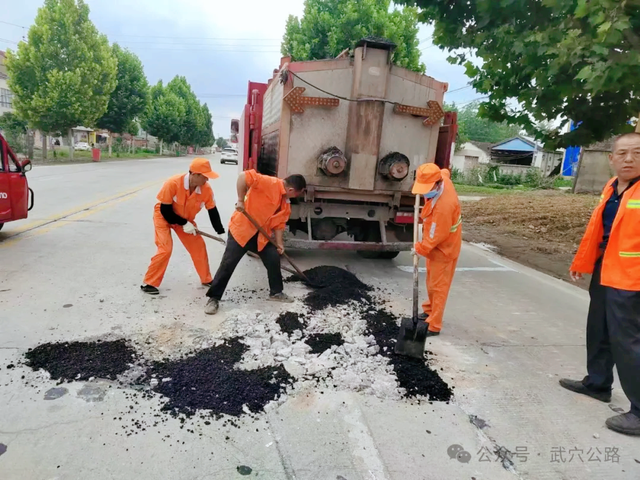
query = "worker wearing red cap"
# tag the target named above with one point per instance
(441, 239)
(179, 201)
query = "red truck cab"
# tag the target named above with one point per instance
(16, 198)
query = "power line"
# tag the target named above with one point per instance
(8, 41)
(220, 95)
(12, 24)
(199, 38)
(461, 88)
(471, 101)
(201, 44)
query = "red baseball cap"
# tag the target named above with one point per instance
(202, 166)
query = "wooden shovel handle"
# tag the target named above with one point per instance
(284, 254)
(251, 254)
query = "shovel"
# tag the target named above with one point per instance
(251, 254)
(413, 331)
(262, 231)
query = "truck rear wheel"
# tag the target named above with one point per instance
(372, 234)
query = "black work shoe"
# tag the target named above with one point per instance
(578, 387)
(432, 334)
(208, 285)
(211, 308)
(627, 423)
(423, 316)
(149, 289)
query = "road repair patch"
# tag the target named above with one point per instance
(255, 361)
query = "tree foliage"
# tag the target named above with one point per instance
(221, 142)
(205, 133)
(130, 97)
(328, 27)
(63, 76)
(14, 130)
(472, 127)
(165, 114)
(174, 114)
(570, 59)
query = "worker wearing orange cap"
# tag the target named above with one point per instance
(441, 239)
(179, 201)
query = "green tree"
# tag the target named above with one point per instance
(165, 115)
(221, 142)
(205, 136)
(547, 59)
(14, 130)
(328, 27)
(63, 76)
(471, 126)
(130, 97)
(193, 121)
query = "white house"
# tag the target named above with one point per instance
(471, 155)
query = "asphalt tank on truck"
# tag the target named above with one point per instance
(357, 127)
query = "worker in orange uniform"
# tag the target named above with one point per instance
(610, 250)
(179, 201)
(266, 199)
(441, 239)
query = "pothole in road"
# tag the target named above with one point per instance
(256, 361)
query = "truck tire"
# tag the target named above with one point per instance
(372, 234)
(1, 225)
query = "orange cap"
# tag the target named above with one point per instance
(202, 166)
(426, 177)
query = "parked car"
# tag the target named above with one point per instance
(83, 146)
(229, 155)
(16, 198)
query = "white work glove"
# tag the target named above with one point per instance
(189, 228)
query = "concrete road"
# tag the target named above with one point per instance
(72, 272)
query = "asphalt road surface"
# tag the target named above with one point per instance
(72, 272)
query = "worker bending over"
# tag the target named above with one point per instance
(610, 249)
(179, 201)
(266, 200)
(441, 239)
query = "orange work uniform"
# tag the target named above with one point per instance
(267, 204)
(175, 191)
(621, 259)
(441, 244)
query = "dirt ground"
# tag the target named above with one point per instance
(540, 229)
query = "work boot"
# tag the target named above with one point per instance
(211, 308)
(423, 316)
(208, 285)
(627, 423)
(151, 290)
(280, 297)
(432, 334)
(578, 387)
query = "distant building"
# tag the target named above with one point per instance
(513, 155)
(6, 97)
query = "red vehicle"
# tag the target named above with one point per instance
(357, 127)
(16, 198)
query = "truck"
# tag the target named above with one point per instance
(357, 127)
(16, 198)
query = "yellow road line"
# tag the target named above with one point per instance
(60, 216)
(66, 218)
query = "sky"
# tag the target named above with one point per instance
(217, 45)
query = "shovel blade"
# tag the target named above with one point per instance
(412, 338)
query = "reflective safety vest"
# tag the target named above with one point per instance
(621, 262)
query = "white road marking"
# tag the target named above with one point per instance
(409, 269)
